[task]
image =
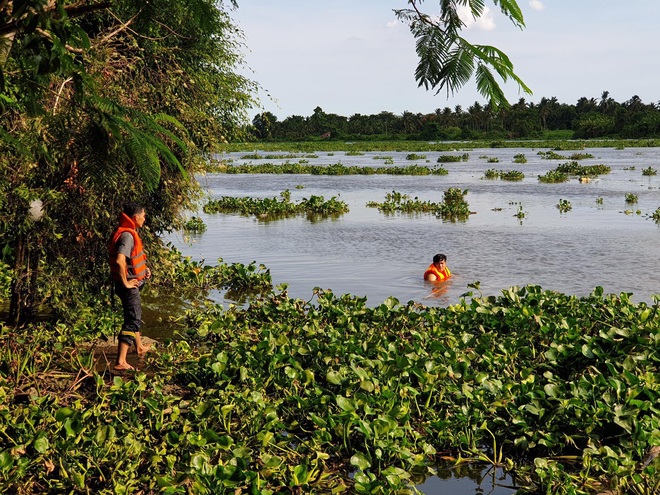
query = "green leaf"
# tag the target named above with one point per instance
(41, 443)
(300, 475)
(552, 390)
(63, 413)
(198, 461)
(361, 461)
(345, 403)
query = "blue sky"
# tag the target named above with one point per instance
(352, 56)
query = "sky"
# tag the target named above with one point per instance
(353, 56)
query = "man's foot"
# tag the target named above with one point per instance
(142, 351)
(124, 367)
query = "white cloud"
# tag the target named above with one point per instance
(483, 23)
(536, 4)
(393, 24)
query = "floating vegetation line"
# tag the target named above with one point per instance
(334, 169)
(274, 208)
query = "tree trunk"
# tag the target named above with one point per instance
(22, 303)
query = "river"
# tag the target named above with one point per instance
(368, 253)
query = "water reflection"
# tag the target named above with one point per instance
(468, 479)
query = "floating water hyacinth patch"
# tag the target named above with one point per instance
(564, 205)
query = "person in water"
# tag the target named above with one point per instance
(437, 271)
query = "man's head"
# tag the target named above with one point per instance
(439, 259)
(136, 212)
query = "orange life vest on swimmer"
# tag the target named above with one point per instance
(136, 265)
(439, 275)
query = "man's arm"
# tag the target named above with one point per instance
(123, 273)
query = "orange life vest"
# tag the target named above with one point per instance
(136, 265)
(439, 275)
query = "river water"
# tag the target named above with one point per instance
(368, 253)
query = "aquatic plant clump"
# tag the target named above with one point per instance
(649, 171)
(403, 203)
(564, 205)
(454, 207)
(195, 225)
(274, 208)
(580, 156)
(553, 177)
(491, 173)
(574, 168)
(550, 155)
(415, 156)
(453, 158)
(510, 175)
(655, 216)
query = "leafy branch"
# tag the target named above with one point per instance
(448, 61)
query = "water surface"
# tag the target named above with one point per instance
(367, 253)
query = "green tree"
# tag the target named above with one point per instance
(263, 124)
(135, 113)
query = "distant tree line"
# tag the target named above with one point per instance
(588, 118)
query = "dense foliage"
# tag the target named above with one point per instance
(126, 102)
(291, 395)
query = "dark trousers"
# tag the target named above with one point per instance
(132, 306)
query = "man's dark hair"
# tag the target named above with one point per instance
(133, 208)
(439, 257)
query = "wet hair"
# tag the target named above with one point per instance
(133, 208)
(439, 257)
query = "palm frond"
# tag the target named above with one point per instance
(488, 86)
(139, 135)
(457, 69)
(497, 59)
(146, 160)
(431, 50)
(511, 9)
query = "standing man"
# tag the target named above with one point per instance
(128, 265)
(437, 271)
